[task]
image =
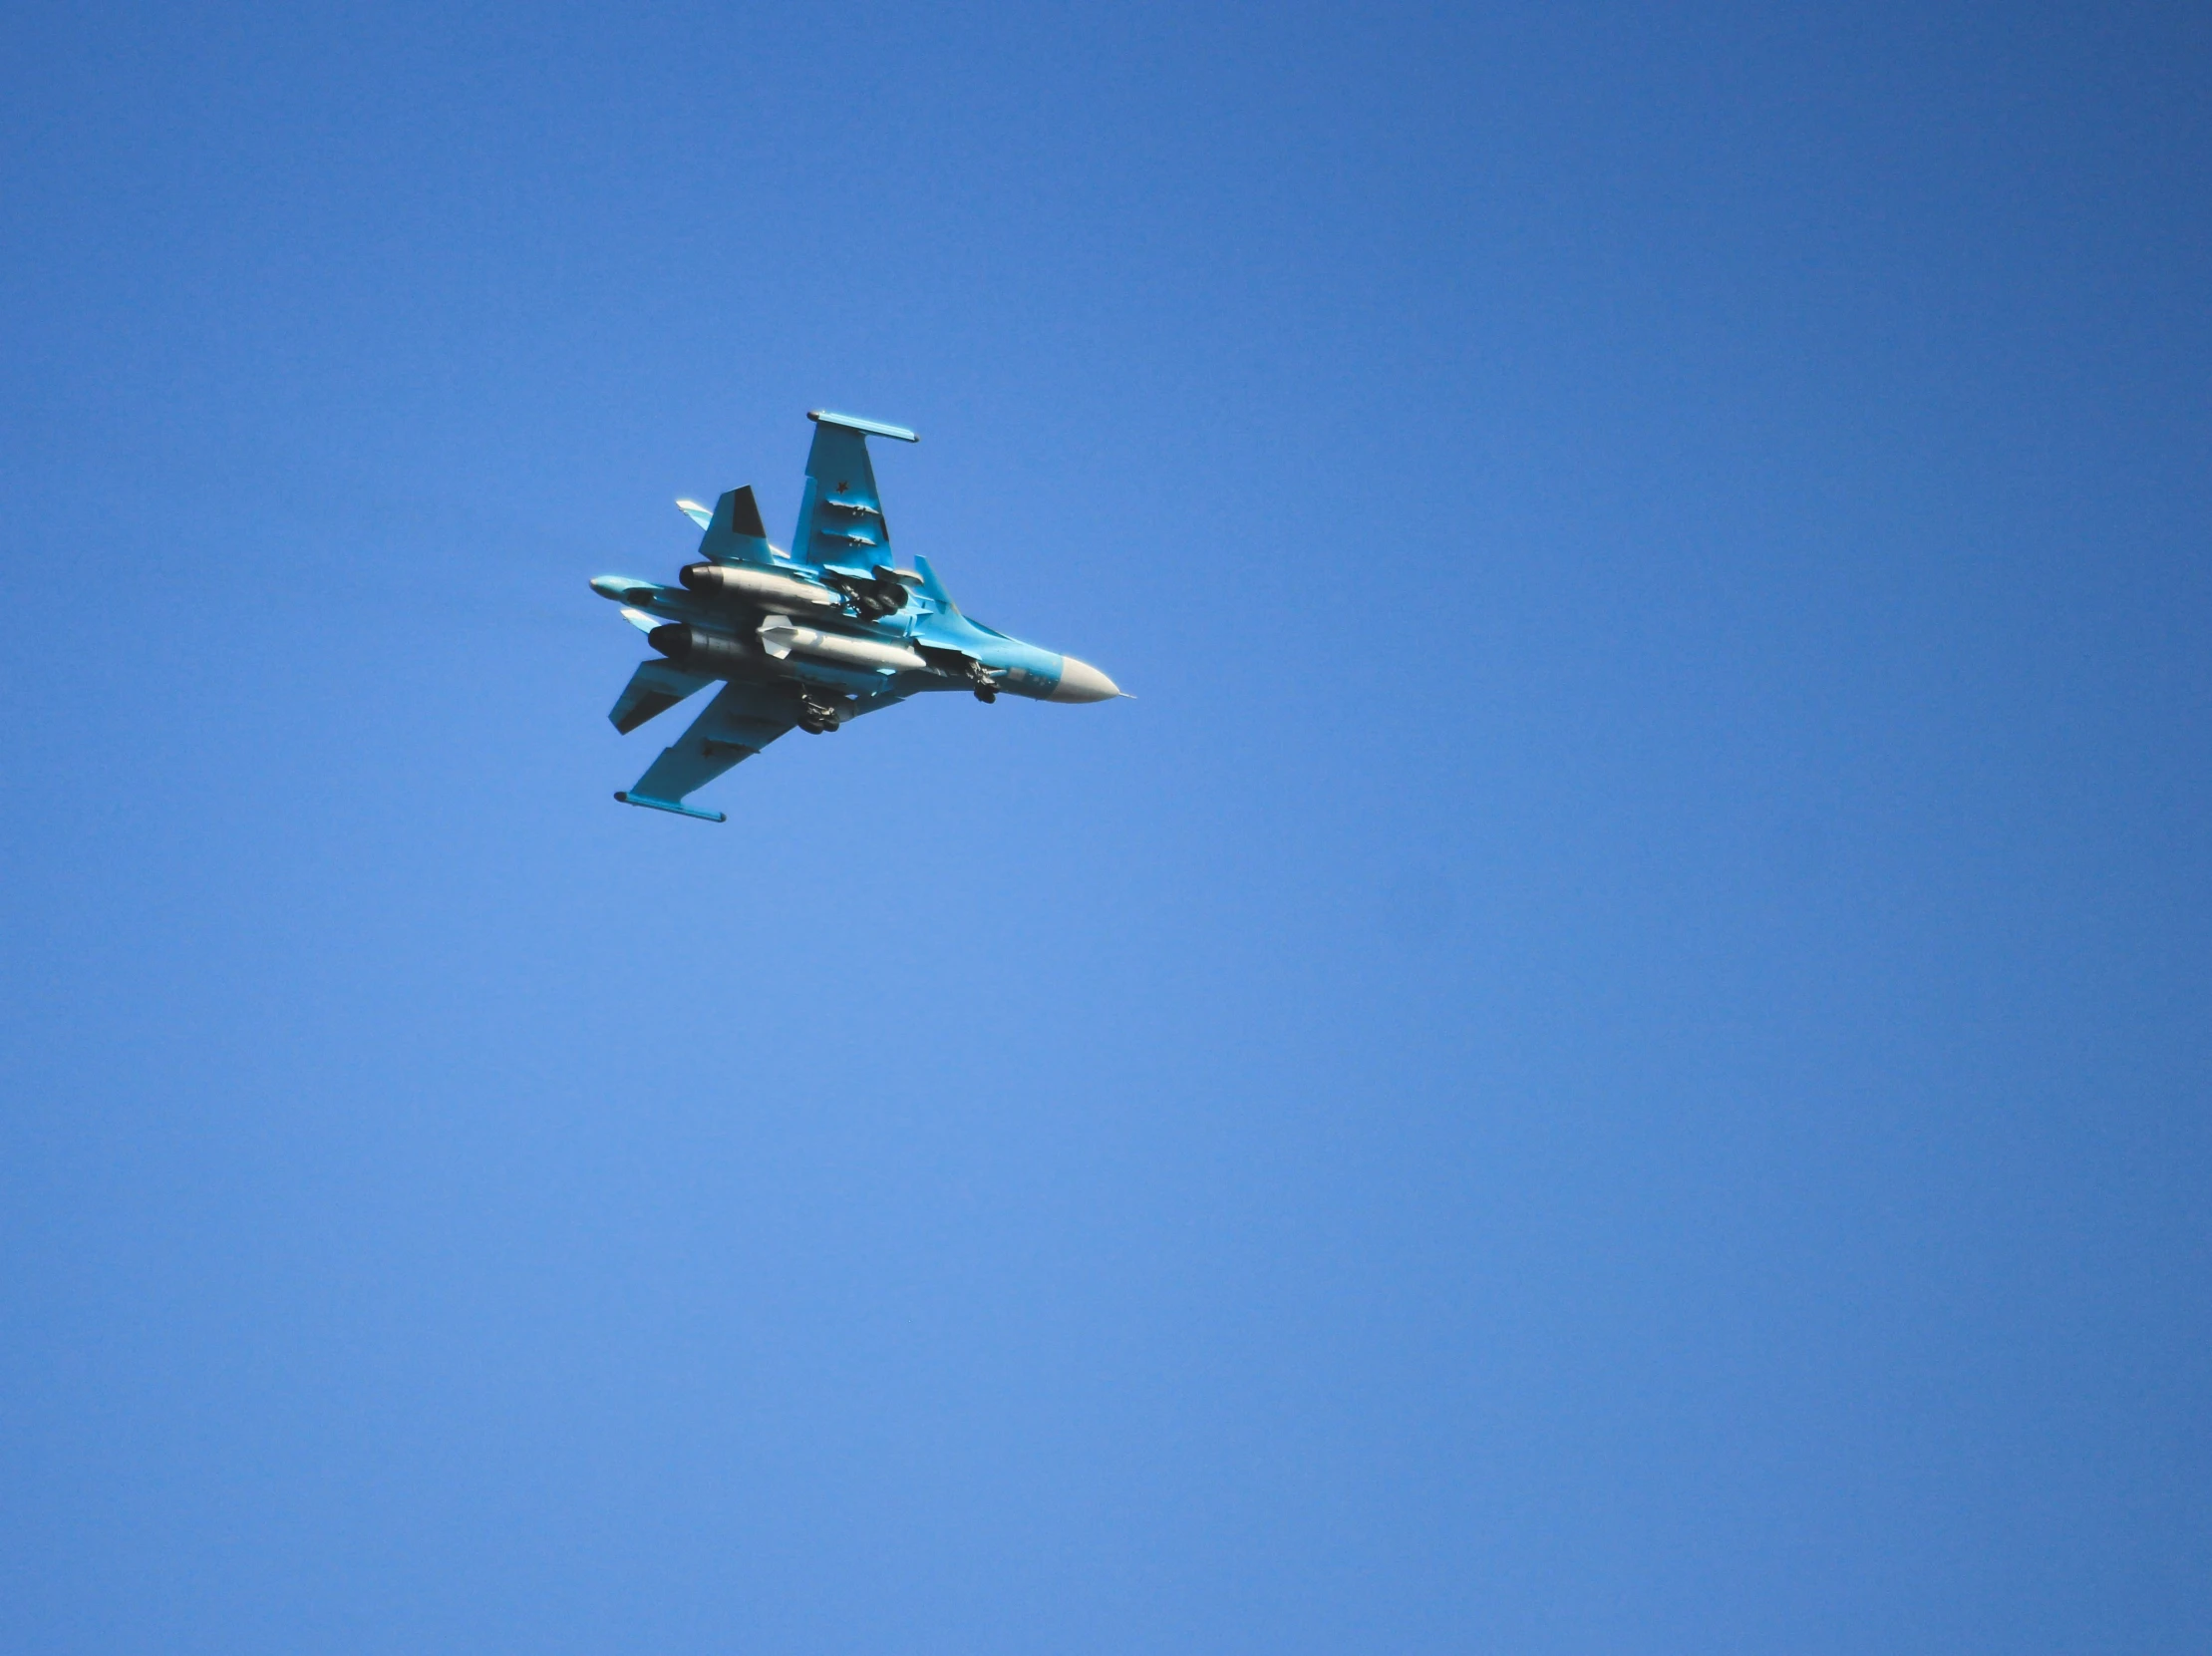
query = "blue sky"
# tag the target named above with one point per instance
(1610, 1058)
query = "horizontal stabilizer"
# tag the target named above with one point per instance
(702, 515)
(652, 689)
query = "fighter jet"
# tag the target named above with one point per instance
(811, 638)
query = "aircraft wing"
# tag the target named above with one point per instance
(736, 724)
(840, 516)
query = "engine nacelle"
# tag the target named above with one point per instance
(760, 586)
(702, 651)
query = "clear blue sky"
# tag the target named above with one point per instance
(1613, 1057)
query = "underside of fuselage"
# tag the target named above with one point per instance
(918, 649)
(811, 638)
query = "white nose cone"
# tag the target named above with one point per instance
(1082, 682)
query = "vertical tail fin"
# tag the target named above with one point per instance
(734, 533)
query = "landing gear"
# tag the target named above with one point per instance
(818, 717)
(961, 666)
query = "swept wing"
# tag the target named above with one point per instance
(734, 726)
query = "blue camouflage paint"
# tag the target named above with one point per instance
(840, 545)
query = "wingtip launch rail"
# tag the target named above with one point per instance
(872, 428)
